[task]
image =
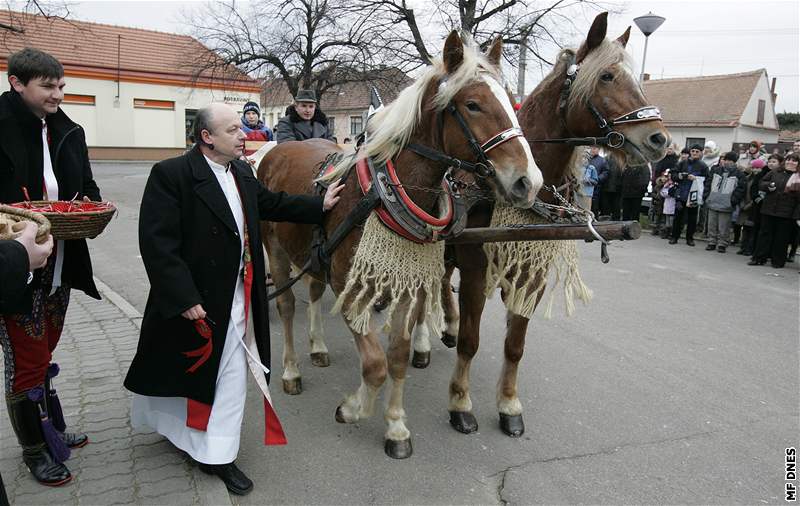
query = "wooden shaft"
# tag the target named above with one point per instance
(609, 230)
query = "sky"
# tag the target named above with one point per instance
(700, 37)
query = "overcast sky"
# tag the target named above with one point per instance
(699, 37)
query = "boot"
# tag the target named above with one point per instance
(72, 440)
(26, 420)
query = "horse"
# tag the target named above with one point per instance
(584, 90)
(450, 117)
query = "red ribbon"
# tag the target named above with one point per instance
(204, 352)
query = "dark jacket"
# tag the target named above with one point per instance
(21, 166)
(13, 272)
(668, 162)
(724, 188)
(294, 128)
(750, 208)
(260, 132)
(635, 180)
(679, 175)
(778, 202)
(613, 181)
(191, 251)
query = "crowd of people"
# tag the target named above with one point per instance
(745, 198)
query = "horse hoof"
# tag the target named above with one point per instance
(463, 421)
(398, 449)
(339, 415)
(320, 359)
(449, 340)
(512, 425)
(293, 386)
(421, 359)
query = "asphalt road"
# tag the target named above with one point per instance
(678, 383)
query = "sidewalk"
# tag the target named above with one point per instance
(118, 466)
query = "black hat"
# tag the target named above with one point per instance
(731, 156)
(251, 106)
(305, 96)
(685, 151)
(696, 146)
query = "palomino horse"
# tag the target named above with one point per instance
(591, 92)
(457, 109)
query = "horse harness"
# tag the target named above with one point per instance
(385, 194)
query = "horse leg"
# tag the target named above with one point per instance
(450, 309)
(422, 344)
(280, 266)
(397, 441)
(508, 404)
(471, 302)
(361, 404)
(319, 352)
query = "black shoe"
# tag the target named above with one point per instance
(711, 247)
(46, 470)
(756, 262)
(775, 266)
(690, 242)
(75, 439)
(231, 476)
(721, 249)
(673, 241)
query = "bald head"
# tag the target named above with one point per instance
(217, 130)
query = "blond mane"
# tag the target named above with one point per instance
(391, 128)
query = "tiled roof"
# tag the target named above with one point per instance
(346, 97)
(90, 50)
(706, 101)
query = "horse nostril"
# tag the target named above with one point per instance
(658, 140)
(522, 187)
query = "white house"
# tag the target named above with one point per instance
(728, 109)
(132, 90)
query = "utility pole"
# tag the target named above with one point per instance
(523, 49)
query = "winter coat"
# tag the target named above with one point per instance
(778, 202)
(13, 272)
(613, 180)
(684, 168)
(294, 128)
(668, 162)
(589, 180)
(749, 206)
(601, 167)
(635, 180)
(744, 160)
(260, 132)
(21, 166)
(191, 251)
(658, 198)
(668, 194)
(724, 188)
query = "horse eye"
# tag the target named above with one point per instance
(607, 76)
(473, 107)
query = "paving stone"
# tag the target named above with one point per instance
(106, 484)
(157, 474)
(119, 496)
(167, 487)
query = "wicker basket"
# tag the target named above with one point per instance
(11, 216)
(67, 219)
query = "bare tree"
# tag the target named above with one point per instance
(18, 12)
(315, 44)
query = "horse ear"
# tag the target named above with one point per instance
(623, 39)
(495, 52)
(453, 53)
(597, 34)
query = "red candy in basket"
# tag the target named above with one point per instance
(74, 219)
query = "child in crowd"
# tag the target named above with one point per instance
(667, 193)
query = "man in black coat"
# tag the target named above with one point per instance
(303, 120)
(43, 156)
(205, 324)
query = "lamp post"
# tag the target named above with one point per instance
(648, 24)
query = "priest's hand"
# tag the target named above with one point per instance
(194, 313)
(332, 195)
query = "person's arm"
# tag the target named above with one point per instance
(172, 286)
(14, 268)
(285, 130)
(763, 185)
(741, 189)
(270, 136)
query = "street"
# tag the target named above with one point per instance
(677, 384)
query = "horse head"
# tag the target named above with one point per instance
(459, 108)
(598, 95)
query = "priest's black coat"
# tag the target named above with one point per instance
(191, 249)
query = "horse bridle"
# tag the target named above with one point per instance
(612, 138)
(483, 168)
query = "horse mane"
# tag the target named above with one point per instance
(391, 128)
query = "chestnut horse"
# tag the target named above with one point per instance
(463, 88)
(600, 88)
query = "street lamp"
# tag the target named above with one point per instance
(648, 24)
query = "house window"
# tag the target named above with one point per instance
(78, 99)
(142, 103)
(691, 141)
(762, 106)
(332, 125)
(356, 125)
